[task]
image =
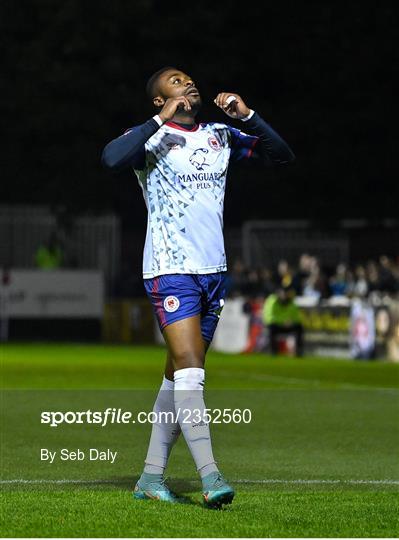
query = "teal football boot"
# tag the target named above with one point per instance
(216, 491)
(152, 486)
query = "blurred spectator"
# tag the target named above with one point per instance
(236, 279)
(284, 273)
(309, 280)
(266, 281)
(387, 282)
(310, 289)
(49, 256)
(339, 281)
(281, 316)
(302, 274)
(372, 276)
(257, 333)
(360, 286)
(395, 270)
(320, 280)
(316, 284)
(251, 287)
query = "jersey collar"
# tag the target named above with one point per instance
(181, 126)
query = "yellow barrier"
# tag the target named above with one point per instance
(128, 321)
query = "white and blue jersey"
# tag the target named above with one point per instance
(183, 178)
(182, 171)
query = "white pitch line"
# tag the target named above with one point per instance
(300, 481)
(238, 481)
(62, 481)
(311, 382)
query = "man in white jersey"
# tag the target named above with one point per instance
(181, 167)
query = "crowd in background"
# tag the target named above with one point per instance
(309, 278)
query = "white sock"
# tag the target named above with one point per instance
(212, 467)
(189, 395)
(164, 432)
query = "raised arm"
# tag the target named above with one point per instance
(264, 142)
(270, 144)
(128, 149)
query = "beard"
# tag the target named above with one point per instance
(195, 102)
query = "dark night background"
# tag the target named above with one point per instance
(321, 73)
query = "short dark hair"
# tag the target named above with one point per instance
(152, 81)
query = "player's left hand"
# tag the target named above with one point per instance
(236, 108)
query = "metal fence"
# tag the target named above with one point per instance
(88, 241)
(264, 243)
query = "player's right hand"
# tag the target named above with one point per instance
(172, 105)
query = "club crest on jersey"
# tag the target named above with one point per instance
(171, 304)
(214, 144)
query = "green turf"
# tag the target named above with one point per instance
(323, 434)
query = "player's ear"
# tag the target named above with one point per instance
(158, 101)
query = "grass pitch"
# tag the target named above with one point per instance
(319, 458)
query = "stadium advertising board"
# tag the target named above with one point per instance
(326, 329)
(353, 329)
(55, 294)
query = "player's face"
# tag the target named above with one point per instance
(175, 83)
